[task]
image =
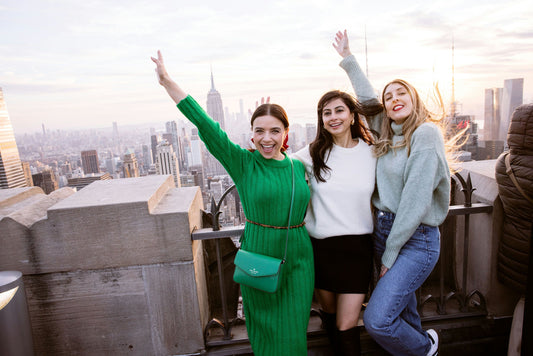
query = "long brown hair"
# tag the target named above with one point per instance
(323, 142)
(274, 110)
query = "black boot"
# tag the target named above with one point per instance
(329, 323)
(350, 342)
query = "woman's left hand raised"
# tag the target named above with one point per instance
(173, 90)
(160, 69)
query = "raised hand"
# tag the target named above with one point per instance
(263, 101)
(342, 44)
(160, 69)
(175, 92)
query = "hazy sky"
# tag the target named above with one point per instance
(68, 63)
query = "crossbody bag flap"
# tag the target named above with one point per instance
(257, 265)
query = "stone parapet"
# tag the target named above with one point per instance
(110, 269)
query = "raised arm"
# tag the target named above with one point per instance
(362, 87)
(172, 88)
(341, 44)
(229, 154)
(364, 92)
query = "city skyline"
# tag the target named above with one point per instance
(68, 65)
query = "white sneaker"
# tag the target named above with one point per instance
(434, 338)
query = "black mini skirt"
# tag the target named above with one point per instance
(343, 264)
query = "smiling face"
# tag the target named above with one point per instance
(398, 102)
(337, 119)
(268, 135)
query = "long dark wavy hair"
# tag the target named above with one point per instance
(321, 147)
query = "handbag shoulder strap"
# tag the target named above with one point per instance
(290, 211)
(511, 175)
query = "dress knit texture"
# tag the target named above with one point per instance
(277, 322)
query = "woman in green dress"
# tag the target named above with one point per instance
(277, 322)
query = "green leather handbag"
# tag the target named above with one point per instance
(260, 271)
(257, 271)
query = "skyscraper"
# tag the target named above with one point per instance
(27, 174)
(117, 142)
(131, 166)
(499, 106)
(154, 140)
(147, 157)
(11, 173)
(167, 163)
(493, 99)
(513, 97)
(46, 180)
(195, 159)
(185, 149)
(216, 111)
(214, 104)
(172, 128)
(89, 161)
(310, 132)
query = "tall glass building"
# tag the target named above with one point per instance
(499, 106)
(11, 173)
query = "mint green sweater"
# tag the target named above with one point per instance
(415, 188)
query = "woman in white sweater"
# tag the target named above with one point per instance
(341, 171)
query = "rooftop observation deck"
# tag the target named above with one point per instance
(130, 266)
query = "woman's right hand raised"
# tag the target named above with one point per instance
(341, 44)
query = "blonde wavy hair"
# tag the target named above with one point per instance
(418, 116)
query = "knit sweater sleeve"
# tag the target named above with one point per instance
(229, 154)
(364, 92)
(304, 156)
(425, 194)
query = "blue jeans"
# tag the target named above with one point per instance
(391, 316)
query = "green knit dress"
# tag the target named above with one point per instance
(276, 323)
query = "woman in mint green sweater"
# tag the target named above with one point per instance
(411, 200)
(276, 323)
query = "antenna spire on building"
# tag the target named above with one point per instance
(366, 54)
(453, 106)
(212, 80)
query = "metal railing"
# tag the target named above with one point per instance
(216, 233)
(473, 302)
(470, 303)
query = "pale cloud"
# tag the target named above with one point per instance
(69, 54)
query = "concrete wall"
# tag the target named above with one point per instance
(484, 231)
(111, 269)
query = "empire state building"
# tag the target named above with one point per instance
(11, 173)
(214, 104)
(215, 110)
